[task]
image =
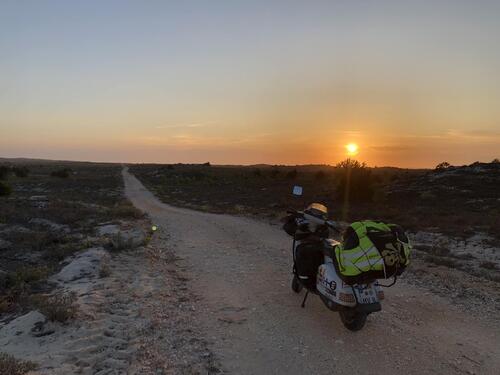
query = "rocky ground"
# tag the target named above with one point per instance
(137, 318)
(56, 235)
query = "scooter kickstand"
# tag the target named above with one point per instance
(304, 300)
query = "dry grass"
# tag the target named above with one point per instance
(104, 270)
(59, 307)
(456, 204)
(9, 365)
(28, 274)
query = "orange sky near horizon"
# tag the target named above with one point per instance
(273, 82)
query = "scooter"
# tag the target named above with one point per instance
(353, 302)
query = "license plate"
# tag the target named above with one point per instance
(366, 295)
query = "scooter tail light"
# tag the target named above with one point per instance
(348, 298)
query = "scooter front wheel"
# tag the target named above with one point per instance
(353, 320)
(296, 285)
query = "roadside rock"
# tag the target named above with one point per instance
(128, 239)
(20, 326)
(84, 265)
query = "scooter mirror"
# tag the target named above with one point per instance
(297, 190)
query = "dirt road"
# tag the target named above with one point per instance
(240, 269)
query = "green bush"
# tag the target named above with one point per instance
(5, 189)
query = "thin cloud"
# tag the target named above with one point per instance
(184, 126)
(391, 148)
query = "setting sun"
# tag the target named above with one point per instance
(352, 148)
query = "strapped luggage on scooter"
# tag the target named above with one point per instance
(308, 258)
(372, 250)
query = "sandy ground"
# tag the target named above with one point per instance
(238, 271)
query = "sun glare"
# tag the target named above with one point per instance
(352, 148)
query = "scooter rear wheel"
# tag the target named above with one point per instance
(296, 285)
(353, 320)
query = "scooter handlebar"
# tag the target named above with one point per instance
(331, 224)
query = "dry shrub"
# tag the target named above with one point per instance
(124, 241)
(125, 210)
(59, 307)
(14, 295)
(5, 304)
(104, 270)
(12, 366)
(18, 286)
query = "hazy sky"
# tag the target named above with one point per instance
(413, 83)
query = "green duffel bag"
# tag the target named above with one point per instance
(372, 250)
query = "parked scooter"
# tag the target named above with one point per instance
(314, 269)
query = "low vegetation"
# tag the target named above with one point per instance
(457, 201)
(5, 189)
(59, 307)
(104, 270)
(51, 213)
(61, 173)
(262, 190)
(10, 365)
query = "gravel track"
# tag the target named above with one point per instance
(239, 271)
